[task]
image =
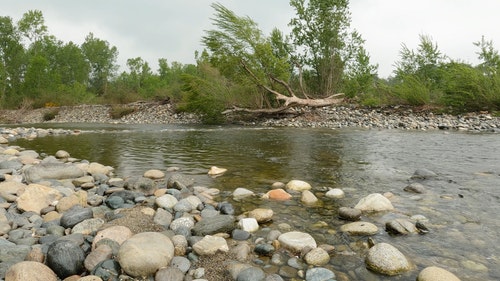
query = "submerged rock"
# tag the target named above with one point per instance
(386, 259)
(374, 202)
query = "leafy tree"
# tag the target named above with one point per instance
(490, 58)
(325, 44)
(102, 61)
(32, 26)
(12, 56)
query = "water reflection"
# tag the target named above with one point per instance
(461, 204)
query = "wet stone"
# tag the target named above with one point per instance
(264, 249)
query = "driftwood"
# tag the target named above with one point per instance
(287, 100)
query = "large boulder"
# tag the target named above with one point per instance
(386, 259)
(144, 253)
(30, 270)
(50, 170)
(374, 202)
(36, 197)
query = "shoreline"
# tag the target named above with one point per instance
(343, 116)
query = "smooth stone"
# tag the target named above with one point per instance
(180, 244)
(65, 258)
(226, 208)
(88, 226)
(210, 245)
(251, 274)
(183, 222)
(75, 215)
(415, 188)
(179, 181)
(83, 180)
(240, 235)
(277, 194)
(183, 206)
(423, 174)
(261, 215)
(166, 201)
(241, 192)
(235, 268)
(351, 214)
(60, 154)
(335, 193)
(213, 225)
(97, 168)
(154, 174)
(308, 197)
(288, 271)
(116, 233)
(37, 197)
(359, 228)
(30, 270)
(144, 253)
(386, 259)
(216, 171)
(374, 202)
(10, 189)
(249, 224)
(169, 274)
(143, 185)
(317, 257)
(273, 277)
(98, 255)
(298, 185)
(319, 274)
(400, 226)
(162, 217)
(434, 273)
(108, 270)
(56, 171)
(264, 249)
(182, 263)
(296, 241)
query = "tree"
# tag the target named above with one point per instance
(32, 26)
(243, 54)
(490, 64)
(12, 57)
(102, 61)
(325, 45)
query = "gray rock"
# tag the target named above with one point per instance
(274, 277)
(182, 263)
(141, 184)
(162, 217)
(226, 208)
(240, 235)
(183, 222)
(107, 270)
(319, 274)
(179, 181)
(349, 214)
(183, 206)
(115, 202)
(264, 249)
(359, 228)
(400, 226)
(57, 171)
(296, 241)
(415, 188)
(11, 165)
(213, 225)
(169, 274)
(75, 215)
(65, 258)
(423, 174)
(386, 259)
(251, 274)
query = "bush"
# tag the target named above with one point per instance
(50, 115)
(413, 91)
(118, 111)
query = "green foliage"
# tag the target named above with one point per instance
(413, 91)
(50, 115)
(119, 111)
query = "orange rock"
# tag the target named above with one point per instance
(278, 194)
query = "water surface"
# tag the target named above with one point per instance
(462, 204)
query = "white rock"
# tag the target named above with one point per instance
(249, 224)
(298, 185)
(374, 202)
(241, 192)
(308, 197)
(335, 193)
(166, 201)
(209, 245)
(359, 228)
(154, 174)
(296, 240)
(216, 171)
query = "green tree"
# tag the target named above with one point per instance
(12, 55)
(489, 56)
(325, 45)
(101, 58)
(32, 26)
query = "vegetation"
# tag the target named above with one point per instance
(321, 62)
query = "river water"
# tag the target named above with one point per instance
(462, 204)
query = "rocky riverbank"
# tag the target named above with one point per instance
(327, 117)
(63, 218)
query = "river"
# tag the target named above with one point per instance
(462, 203)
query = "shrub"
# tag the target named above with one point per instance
(50, 115)
(118, 111)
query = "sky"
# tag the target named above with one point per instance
(172, 29)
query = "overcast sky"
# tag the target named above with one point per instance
(172, 29)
